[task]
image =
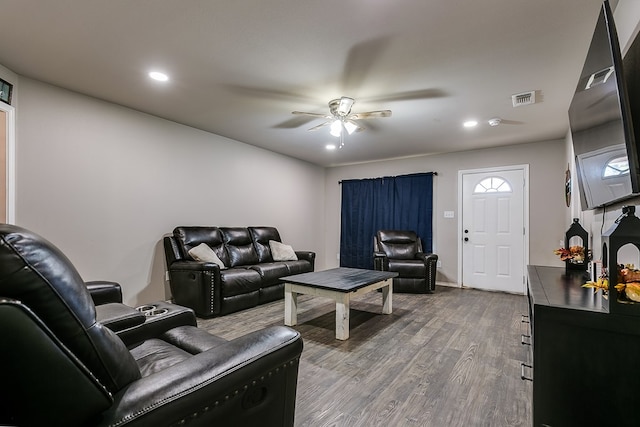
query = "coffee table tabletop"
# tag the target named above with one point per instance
(339, 284)
(340, 279)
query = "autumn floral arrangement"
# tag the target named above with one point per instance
(628, 286)
(575, 254)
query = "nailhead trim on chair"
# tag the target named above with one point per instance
(230, 396)
(211, 308)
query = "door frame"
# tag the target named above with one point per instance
(11, 161)
(525, 219)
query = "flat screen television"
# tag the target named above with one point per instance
(601, 121)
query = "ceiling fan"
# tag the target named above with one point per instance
(341, 118)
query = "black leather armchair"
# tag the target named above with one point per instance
(62, 367)
(401, 251)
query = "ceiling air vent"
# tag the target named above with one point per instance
(524, 98)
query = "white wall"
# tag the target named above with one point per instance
(547, 215)
(104, 183)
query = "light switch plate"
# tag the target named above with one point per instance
(449, 214)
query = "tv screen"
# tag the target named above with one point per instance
(601, 124)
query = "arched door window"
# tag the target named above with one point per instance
(493, 184)
(616, 167)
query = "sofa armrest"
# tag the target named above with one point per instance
(251, 380)
(196, 285)
(194, 266)
(308, 256)
(104, 291)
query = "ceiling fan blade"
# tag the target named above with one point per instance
(294, 122)
(360, 60)
(321, 125)
(258, 92)
(325, 116)
(370, 114)
(408, 95)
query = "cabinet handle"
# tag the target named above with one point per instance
(525, 319)
(524, 337)
(522, 375)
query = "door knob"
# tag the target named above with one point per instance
(466, 239)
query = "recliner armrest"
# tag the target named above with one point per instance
(427, 258)
(118, 317)
(104, 291)
(250, 380)
(380, 261)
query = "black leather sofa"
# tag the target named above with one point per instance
(401, 251)
(63, 367)
(250, 277)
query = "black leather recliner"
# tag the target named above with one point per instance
(62, 367)
(401, 251)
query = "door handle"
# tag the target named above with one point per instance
(466, 239)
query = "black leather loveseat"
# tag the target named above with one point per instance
(62, 366)
(248, 277)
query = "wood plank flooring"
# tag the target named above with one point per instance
(451, 358)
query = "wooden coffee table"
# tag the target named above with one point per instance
(339, 284)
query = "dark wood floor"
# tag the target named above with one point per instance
(451, 358)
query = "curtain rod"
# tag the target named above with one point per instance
(432, 173)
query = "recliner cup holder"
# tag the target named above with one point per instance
(151, 310)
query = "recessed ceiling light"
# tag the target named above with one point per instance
(161, 77)
(330, 146)
(470, 123)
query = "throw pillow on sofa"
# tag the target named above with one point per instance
(204, 253)
(282, 252)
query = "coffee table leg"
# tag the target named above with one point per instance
(290, 306)
(342, 316)
(387, 297)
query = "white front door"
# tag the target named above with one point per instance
(493, 234)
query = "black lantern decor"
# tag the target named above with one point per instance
(626, 230)
(579, 254)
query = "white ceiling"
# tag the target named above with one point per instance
(239, 68)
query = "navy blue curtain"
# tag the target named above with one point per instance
(394, 203)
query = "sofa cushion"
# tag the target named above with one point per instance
(271, 272)
(188, 237)
(261, 237)
(237, 281)
(204, 253)
(282, 252)
(408, 268)
(239, 246)
(398, 244)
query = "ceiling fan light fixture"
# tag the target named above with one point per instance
(345, 105)
(336, 128)
(350, 127)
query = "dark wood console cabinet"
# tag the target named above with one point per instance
(586, 361)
